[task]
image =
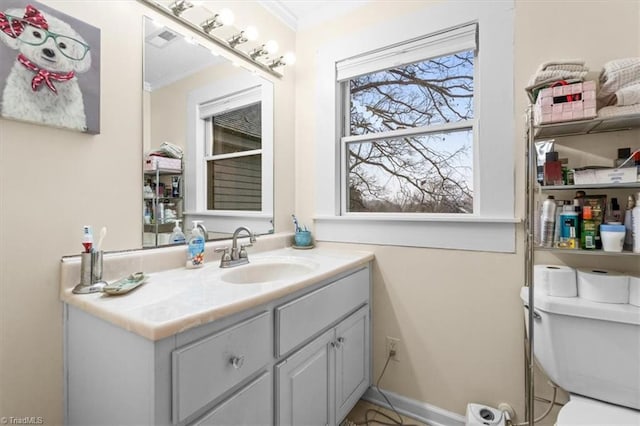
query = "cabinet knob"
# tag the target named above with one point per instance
(237, 362)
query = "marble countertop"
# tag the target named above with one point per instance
(178, 299)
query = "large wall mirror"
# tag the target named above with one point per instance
(208, 140)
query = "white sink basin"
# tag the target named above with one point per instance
(267, 270)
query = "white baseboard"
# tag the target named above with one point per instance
(426, 413)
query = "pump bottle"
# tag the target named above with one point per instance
(177, 236)
(195, 248)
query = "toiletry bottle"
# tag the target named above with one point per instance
(577, 207)
(195, 248)
(635, 223)
(87, 238)
(547, 221)
(615, 215)
(568, 223)
(628, 224)
(177, 236)
(623, 155)
(552, 170)
(588, 232)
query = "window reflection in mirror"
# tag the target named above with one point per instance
(227, 150)
(234, 170)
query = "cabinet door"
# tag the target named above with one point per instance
(305, 385)
(352, 361)
(252, 405)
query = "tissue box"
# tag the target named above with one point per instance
(606, 176)
(154, 162)
(570, 102)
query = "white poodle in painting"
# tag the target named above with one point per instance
(42, 86)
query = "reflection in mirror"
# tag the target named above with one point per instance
(208, 135)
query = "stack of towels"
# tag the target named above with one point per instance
(620, 83)
(571, 71)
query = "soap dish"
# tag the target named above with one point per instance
(125, 285)
(303, 247)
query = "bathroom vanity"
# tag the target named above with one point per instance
(198, 347)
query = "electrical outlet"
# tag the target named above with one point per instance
(393, 345)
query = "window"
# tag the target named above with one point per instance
(234, 162)
(420, 148)
(408, 136)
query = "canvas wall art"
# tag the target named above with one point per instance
(49, 67)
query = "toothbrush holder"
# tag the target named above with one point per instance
(302, 238)
(90, 273)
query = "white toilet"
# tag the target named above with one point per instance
(591, 350)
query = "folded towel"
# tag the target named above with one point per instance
(628, 95)
(565, 64)
(549, 76)
(619, 111)
(552, 71)
(616, 75)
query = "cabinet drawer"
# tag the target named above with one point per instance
(202, 371)
(252, 405)
(303, 318)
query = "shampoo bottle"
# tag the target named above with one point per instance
(195, 248)
(177, 236)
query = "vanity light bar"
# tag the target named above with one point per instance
(224, 44)
(179, 6)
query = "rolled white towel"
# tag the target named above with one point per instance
(618, 74)
(628, 95)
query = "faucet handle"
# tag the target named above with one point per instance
(225, 254)
(243, 252)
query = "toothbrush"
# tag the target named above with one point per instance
(103, 233)
(295, 222)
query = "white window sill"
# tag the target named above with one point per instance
(475, 233)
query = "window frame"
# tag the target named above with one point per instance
(492, 225)
(202, 103)
(230, 103)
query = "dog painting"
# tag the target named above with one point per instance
(50, 54)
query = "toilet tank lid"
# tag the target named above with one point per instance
(579, 307)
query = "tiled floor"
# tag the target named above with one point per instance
(357, 416)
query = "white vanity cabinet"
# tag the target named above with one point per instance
(320, 383)
(298, 359)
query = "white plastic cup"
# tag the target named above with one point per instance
(612, 237)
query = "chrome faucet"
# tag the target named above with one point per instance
(236, 257)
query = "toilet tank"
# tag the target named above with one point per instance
(589, 348)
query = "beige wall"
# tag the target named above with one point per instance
(168, 106)
(52, 182)
(441, 303)
(458, 313)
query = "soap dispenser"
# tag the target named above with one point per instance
(177, 236)
(195, 248)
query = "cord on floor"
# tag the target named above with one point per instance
(370, 420)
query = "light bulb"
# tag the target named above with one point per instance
(271, 47)
(289, 58)
(251, 33)
(226, 17)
